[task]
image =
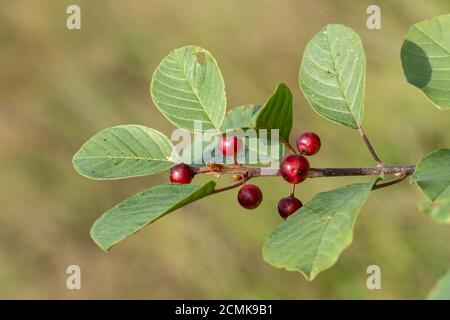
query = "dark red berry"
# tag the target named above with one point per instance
(249, 196)
(181, 173)
(294, 168)
(230, 146)
(288, 205)
(308, 143)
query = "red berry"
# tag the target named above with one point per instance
(294, 168)
(308, 143)
(230, 146)
(181, 173)
(249, 196)
(288, 205)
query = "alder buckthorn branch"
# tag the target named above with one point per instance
(407, 170)
(252, 172)
(331, 89)
(294, 169)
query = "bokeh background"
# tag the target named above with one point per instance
(59, 87)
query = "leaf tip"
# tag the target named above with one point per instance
(101, 245)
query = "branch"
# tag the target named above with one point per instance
(251, 172)
(343, 172)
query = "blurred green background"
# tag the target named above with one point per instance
(59, 87)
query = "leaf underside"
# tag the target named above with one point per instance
(124, 151)
(425, 59)
(333, 74)
(143, 208)
(441, 290)
(186, 89)
(312, 239)
(241, 117)
(432, 175)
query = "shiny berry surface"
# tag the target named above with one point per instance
(181, 173)
(288, 205)
(230, 146)
(294, 168)
(250, 196)
(308, 143)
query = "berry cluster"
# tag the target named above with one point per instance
(294, 169)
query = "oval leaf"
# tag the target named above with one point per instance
(240, 117)
(124, 151)
(312, 239)
(432, 175)
(263, 152)
(441, 290)
(277, 112)
(425, 58)
(143, 208)
(333, 75)
(187, 86)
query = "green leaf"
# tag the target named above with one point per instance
(432, 175)
(186, 89)
(439, 211)
(194, 153)
(259, 152)
(263, 151)
(124, 151)
(333, 75)
(312, 239)
(240, 117)
(425, 58)
(441, 290)
(277, 112)
(144, 208)
(247, 117)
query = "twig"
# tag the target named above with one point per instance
(313, 172)
(369, 146)
(232, 186)
(247, 173)
(288, 145)
(400, 178)
(344, 172)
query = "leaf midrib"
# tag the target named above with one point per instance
(434, 41)
(123, 158)
(195, 91)
(338, 78)
(313, 263)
